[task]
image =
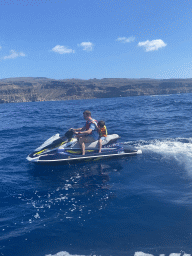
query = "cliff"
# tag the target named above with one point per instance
(44, 89)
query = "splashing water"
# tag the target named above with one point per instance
(179, 149)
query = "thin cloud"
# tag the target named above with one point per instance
(126, 39)
(87, 46)
(153, 45)
(14, 54)
(61, 49)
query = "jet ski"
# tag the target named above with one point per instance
(66, 149)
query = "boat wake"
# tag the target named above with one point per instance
(179, 149)
(64, 253)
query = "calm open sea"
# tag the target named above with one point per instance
(136, 206)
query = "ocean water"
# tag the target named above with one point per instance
(134, 206)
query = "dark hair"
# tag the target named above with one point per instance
(87, 113)
(101, 123)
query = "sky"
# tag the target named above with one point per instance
(86, 39)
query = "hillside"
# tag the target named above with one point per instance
(45, 89)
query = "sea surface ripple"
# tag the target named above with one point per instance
(134, 206)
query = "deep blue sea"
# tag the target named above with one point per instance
(134, 206)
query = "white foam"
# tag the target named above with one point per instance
(136, 254)
(180, 149)
(37, 216)
(171, 254)
(65, 254)
(142, 254)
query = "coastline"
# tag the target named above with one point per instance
(34, 89)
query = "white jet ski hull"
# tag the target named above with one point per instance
(58, 149)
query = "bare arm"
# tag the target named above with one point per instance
(82, 132)
(78, 129)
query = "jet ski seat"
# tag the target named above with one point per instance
(112, 138)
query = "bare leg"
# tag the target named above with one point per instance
(83, 148)
(83, 140)
(100, 145)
